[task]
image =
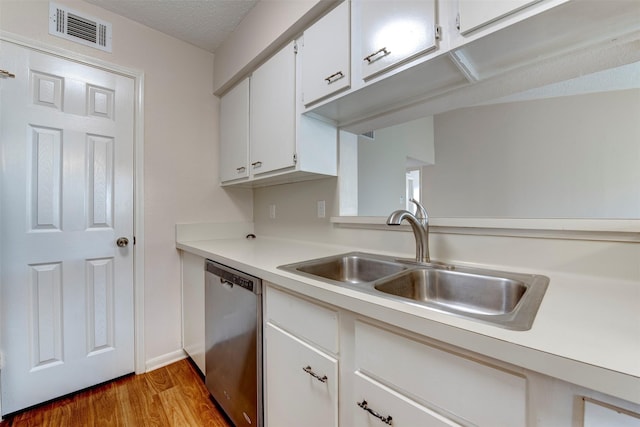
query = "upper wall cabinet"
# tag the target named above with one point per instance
(234, 133)
(473, 14)
(394, 32)
(325, 56)
(273, 111)
(410, 59)
(263, 137)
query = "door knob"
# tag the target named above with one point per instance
(122, 242)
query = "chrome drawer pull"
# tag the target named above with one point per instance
(386, 420)
(256, 164)
(322, 379)
(372, 58)
(334, 77)
(241, 169)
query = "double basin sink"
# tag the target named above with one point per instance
(504, 299)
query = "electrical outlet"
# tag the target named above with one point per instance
(321, 209)
(272, 211)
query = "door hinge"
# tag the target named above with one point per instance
(438, 32)
(134, 240)
(295, 48)
(295, 158)
(458, 22)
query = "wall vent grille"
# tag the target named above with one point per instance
(369, 135)
(71, 25)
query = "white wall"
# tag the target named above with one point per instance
(180, 148)
(382, 163)
(568, 157)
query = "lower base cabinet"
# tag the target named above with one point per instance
(193, 308)
(301, 382)
(326, 367)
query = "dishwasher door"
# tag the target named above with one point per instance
(233, 342)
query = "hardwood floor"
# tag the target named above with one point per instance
(171, 396)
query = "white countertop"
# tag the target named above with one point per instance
(587, 330)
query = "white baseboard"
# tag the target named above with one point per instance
(164, 360)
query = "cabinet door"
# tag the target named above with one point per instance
(474, 14)
(377, 405)
(325, 56)
(193, 308)
(293, 396)
(603, 415)
(234, 133)
(272, 114)
(394, 32)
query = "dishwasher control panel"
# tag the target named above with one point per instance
(234, 277)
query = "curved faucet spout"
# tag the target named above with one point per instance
(420, 231)
(421, 212)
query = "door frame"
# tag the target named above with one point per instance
(138, 174)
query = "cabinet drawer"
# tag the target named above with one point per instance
(383, 402)
(468, 389)
(302, 318)
(294, 396)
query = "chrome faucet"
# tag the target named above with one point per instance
(420, 226)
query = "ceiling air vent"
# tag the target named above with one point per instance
(72, 25)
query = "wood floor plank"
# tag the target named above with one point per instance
(172, 396)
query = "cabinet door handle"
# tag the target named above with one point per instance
(386, 420)
(334, 77)
(256, 164)
(5, 73)
(308, 370)
(241, 169)
(372, 58)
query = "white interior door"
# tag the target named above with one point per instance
(66, 196)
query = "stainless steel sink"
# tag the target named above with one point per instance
(473, 293)
(354, 267)
(505, 299)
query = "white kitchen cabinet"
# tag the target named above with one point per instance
(325, 56)
(301, 376)
(393, 32)
(234, 133)
(272, 115)
(474, 14)
(456, 386)
(598, 414)
(193, 308)
(405, 376)
(301, 382)
(261, 124)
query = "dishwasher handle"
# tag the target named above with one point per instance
(234, 277)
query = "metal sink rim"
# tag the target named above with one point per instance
(521, 318)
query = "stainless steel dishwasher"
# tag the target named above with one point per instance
(233, 342)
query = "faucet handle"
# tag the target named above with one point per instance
(421, 212)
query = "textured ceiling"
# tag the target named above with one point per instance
(203, 23)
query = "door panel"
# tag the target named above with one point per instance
(66, 195)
